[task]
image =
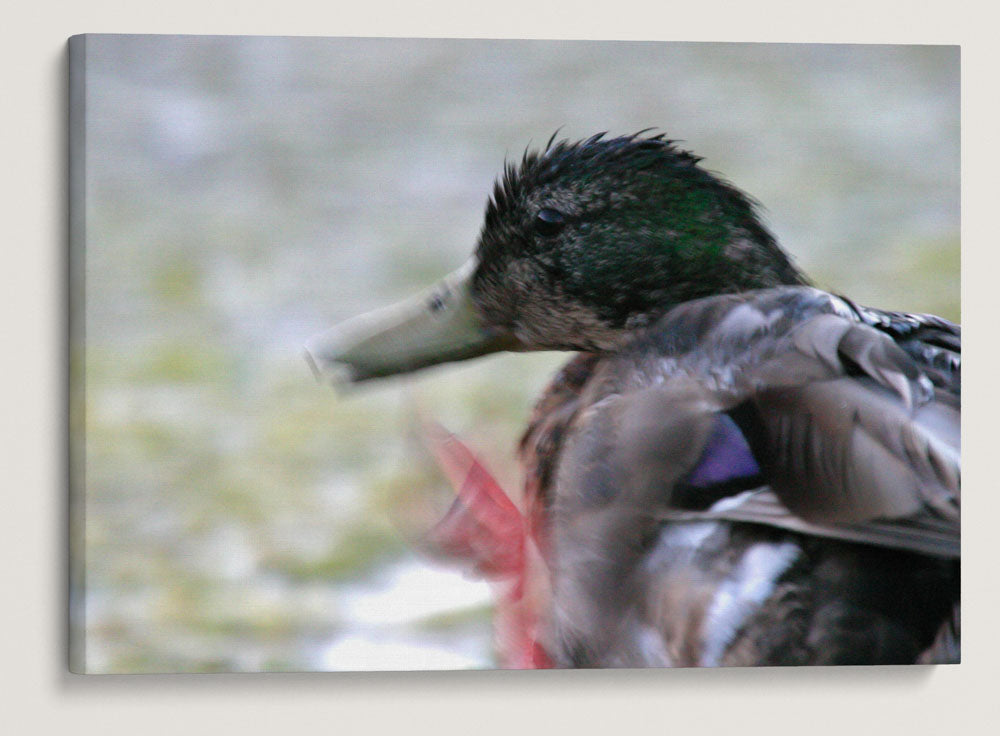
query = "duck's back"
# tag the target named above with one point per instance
(765, 478)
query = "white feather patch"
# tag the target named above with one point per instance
(739, 596)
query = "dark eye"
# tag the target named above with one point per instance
(549, 221)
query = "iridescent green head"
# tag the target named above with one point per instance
(583, 244)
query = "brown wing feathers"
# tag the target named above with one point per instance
(869, 440)
(853, 437)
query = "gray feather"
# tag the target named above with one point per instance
(857, 435)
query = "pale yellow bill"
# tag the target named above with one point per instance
(436, 326)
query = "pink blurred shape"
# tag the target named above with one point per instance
(486, 529)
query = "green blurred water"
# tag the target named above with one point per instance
(244, 193)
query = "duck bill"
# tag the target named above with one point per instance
(437, 326)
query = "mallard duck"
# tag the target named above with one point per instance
(737, 468)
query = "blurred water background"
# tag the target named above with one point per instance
(245, 193)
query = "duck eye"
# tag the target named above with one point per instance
(549, 221)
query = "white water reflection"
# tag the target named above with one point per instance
(384, 619)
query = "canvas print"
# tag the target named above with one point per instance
(413, 354)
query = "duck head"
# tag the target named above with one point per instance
(583, 244)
